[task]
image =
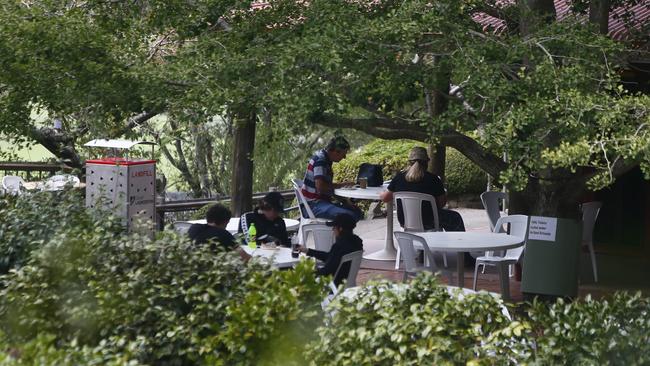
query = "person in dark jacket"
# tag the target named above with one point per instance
(267, 220)
(214, 232)
(346, 242)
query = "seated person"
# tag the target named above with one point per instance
(267, 220)
(346, 242)
(215, 231)
(416, 178)
(318, 184)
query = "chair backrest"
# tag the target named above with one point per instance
(516, 225)
(12, 184)
(243, 223)
(406, 243)
(182, 226)
(354, 259)
(323, 236)
(491, 201)
(590, 212)
(412, 208)
(305, 210)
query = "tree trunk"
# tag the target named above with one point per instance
(545, 198)
(534, 13)
(241, 189)
(437, 103)
(599, 14)
(437, 163)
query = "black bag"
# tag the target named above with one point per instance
(371, 172)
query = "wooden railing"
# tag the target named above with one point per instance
(196, 204)
(30, 171)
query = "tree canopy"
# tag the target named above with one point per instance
(546, 93)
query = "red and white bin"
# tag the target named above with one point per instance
(122, 185)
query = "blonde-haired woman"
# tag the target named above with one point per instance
(416, 178)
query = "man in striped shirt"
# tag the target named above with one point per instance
(318, 187)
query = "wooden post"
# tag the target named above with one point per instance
(241, 189)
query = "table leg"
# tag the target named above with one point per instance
(505, 281)
(460, 268)
(388, 253)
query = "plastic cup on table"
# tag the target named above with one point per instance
(363, 183)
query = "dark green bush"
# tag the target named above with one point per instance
(462, 176)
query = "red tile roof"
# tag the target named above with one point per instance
(621, 19)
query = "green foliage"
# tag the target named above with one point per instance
(30, 221)
(423, 324)
(613, 331)
(178, 302)
(462, 176)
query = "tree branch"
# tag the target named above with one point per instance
(390, 129)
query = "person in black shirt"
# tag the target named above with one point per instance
(416, 178)
(346, 242)
(267, 219)
(214, 232)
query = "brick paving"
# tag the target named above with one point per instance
(615, 273)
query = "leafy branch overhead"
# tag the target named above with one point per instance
(545, 93)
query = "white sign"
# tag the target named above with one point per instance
(542, 228)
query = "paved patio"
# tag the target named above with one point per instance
(615, 272)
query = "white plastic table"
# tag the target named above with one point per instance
(463, 241)
(372, 194)
(281, 256)
(233, 224)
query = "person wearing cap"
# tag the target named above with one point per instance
(345, 242)
(416, 178)
(318, 184)
(215, 233)
(267, 220)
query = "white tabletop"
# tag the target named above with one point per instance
(463, 241)
(280, 256)
(233, 224)
(370, 193)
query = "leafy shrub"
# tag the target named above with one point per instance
(180, 303)
(29, 221)
(91, 295)
(462, 176)
(423, 324)
(613, 331)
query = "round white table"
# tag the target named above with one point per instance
(372, 194)
(233, 224)
(280, 256)
(463, 241)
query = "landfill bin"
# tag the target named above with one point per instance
(122, 184)
(551, 260)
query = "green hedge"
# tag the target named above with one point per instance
(91, 294)
(462, 176)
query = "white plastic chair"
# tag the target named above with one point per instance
(354, 259)
(306, 214)
(491, 203)
(518, 227)
(590, 212)
(58, 182)
(182, 227)
(13, 184)
(322, 234)
(412, 209)
(406, 244)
